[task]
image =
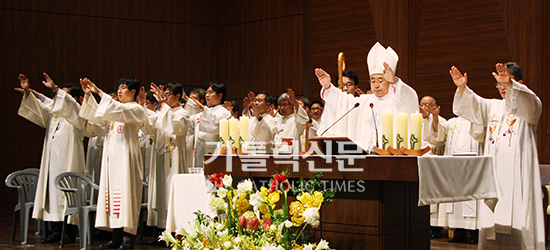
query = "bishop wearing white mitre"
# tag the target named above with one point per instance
(517, 221)
(389, 94)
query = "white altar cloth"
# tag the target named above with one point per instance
(187, 195)
(457, 178)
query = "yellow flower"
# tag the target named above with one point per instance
(242, 203)
(273, 198)
(296, 210)
(264, 192)
(315, 200)
(264, 209)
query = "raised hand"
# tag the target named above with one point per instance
(459, 79)
(197, 104)
(323, 77)
(49, 82)
(292, 97)
(184, 95)
(227, 105)
(359, 91)
(388, 73)
(25, 85)
(503, 75)
(271, 110)
(84, 86)
(93, 87)
(158, 92)
(141, 95)
(433, 109)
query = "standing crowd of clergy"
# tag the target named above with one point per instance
(137, 137)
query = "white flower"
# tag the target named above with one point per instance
(273, 246)
(288, 223)
(312, 216)
(227, 180)
(237, 240)
(167, 236)
(244, 187)
(309, 246)
(222, 192)
(219, 226)
(323, 244)
(227, 244)
(280, 228)
(217, 204)
(256, 200)
(223, 234)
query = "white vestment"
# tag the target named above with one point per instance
(209, 132)
(261, 133)
(517, 222)
(358, 125)
(170, 127)
(455, 134)
(121, 183)
(192, 131)
(63, 148)
(289, 130)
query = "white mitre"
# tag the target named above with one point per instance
(378, 55)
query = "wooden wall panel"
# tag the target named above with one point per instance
(172, 11)
(473, 41)
(245, 11)
(339, 26)
(103, 48)
(264, 55)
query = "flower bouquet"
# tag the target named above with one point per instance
(261, 219)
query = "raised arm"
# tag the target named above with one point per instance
(31, 108)
(64, 104)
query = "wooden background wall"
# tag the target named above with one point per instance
(260, 45)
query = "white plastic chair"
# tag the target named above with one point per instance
(77, 189)
(26, 182)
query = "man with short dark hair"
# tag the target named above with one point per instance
(169, 126)
(63, 148)
(517, 221)
(120, 184)
(208, 124)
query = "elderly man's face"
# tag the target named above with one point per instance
(379, 86)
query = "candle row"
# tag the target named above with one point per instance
(402, 125)
(234, 130)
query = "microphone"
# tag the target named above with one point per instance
(371, 105)
(334, 123)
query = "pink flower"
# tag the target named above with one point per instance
(242, 222)
(267, 224)
(252, 223)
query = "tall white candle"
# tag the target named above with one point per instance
(243, 128)
(415, 140)
(224, 129)
(387, 129)
(234, 130)
(402, 129)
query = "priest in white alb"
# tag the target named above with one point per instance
(456, 135)
(517, 221)
(63, 149)
(390, 94)
(169, 126)
(121, 180)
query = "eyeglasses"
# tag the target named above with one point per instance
(284, 105)
(498, 85)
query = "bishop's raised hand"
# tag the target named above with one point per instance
(323, 77)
